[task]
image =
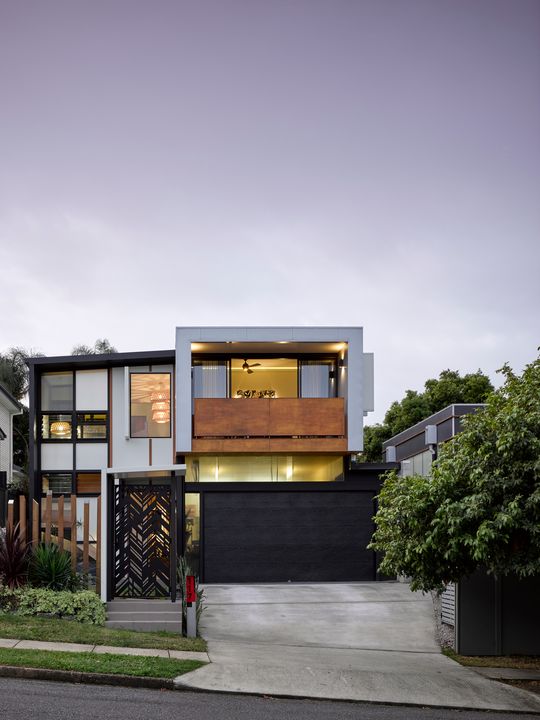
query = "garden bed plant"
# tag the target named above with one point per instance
(38, 580)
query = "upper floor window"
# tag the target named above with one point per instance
(150, 403)
(259, 377)
(264, 378)
(57, 391)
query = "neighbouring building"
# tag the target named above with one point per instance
(8, 408)
(234, 450)
(490, 616)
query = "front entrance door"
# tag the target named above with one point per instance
(142, 539)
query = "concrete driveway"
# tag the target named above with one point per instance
(371, 642)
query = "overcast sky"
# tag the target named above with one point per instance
(338, 162)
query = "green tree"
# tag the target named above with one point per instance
(374, 436)
(14, 377)
(14, 370)
(100, 347)
(449, 388)
(481, 505)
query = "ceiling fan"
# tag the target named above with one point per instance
(246, 366)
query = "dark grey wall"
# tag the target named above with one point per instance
(498, 616)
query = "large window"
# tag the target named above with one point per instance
(264, 468)
(264, 378)
(150, 397)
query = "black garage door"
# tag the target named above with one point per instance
(280, 536)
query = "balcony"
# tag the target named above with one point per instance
(262, 425)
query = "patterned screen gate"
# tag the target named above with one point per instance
(142, 540)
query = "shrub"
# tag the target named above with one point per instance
(84, 606)
(50, 567)
(13, 558)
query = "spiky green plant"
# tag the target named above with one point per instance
(50, 567)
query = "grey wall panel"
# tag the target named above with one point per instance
(520, 603)
(477, 614)
(282, 536)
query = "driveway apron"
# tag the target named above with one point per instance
(371, 642)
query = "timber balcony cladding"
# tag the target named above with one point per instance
(263, 424)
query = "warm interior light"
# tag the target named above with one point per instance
(160, 406)
(161, 416)
(60, 429)
(159, 396)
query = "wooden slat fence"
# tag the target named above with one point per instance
(58, 515)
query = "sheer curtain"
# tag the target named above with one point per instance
(210, 379)
(315, 379)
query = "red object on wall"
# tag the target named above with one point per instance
(191, 593)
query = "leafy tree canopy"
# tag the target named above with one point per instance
(14, 371)
(449, 388)
(100, 347)
(481, 505)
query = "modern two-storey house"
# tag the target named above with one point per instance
(234, 450)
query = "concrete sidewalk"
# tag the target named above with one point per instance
(80, 647)
(370, 642)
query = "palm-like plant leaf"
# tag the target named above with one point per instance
(13, 558)
(50, 567)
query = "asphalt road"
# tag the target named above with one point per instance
(29, 699)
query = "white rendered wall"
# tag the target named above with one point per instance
(91, 456)
(5, 445)
(91, 389)
(57, 456)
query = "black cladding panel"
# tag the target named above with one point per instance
(282, 536)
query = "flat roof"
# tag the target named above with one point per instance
(450, 411)
(69, 362)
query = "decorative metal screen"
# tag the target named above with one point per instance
(142, 540)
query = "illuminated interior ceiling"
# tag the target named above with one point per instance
(260, 348)
(145, 385)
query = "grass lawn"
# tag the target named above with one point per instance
(520, 662)
(55, 630)
(96, 663)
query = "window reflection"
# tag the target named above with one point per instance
(150, 405)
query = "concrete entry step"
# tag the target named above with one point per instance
(145, 625)
(144, 614)
(162, 606)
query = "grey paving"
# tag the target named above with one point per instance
(100, 649)
(370, 642)
(38, 700)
